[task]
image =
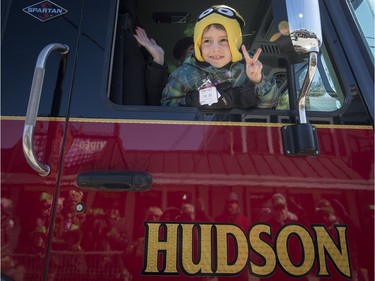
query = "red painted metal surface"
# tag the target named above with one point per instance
(198, 164)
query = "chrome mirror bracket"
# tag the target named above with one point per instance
(300, 40)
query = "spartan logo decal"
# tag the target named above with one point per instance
(45, 10)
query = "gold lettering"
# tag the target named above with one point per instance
(190, 248)
(241, 249)
(306, 249)
(263, 249)
(154, 246)
(189, 241)
(339, 254)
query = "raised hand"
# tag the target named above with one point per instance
(154, 49)
(253, 66)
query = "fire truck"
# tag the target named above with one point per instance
(99, 184)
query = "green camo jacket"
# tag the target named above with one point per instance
(192, 74)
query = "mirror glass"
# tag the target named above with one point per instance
(304, 25)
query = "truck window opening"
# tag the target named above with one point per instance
(128, 73)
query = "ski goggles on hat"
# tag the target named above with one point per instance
(224, 11)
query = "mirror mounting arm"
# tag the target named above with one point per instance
(313, 62)
(301, 138)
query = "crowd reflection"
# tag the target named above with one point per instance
(101, 237)
(10, 231)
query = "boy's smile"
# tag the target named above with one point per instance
(215, 47)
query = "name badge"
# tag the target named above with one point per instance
(208, 95)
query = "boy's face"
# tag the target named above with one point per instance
(215, 47)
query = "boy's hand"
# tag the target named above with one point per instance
(154, 49)
(253, 65)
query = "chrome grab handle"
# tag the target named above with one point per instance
(33, 106)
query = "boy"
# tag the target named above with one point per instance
(215, 76)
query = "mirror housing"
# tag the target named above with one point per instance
(298, 28)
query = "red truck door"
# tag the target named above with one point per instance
(40, 38)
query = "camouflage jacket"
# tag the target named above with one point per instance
(192, 74)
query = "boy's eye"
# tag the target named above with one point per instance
(206, 41)
(224, 40)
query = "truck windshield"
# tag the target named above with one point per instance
(363, 13)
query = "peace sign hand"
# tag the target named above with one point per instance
(253, 66)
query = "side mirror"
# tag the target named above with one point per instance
(299, 38)
(299, 29)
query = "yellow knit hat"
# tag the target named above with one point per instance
(227, 17)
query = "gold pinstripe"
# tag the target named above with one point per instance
(181, 122)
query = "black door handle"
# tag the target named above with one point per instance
(115, 180)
